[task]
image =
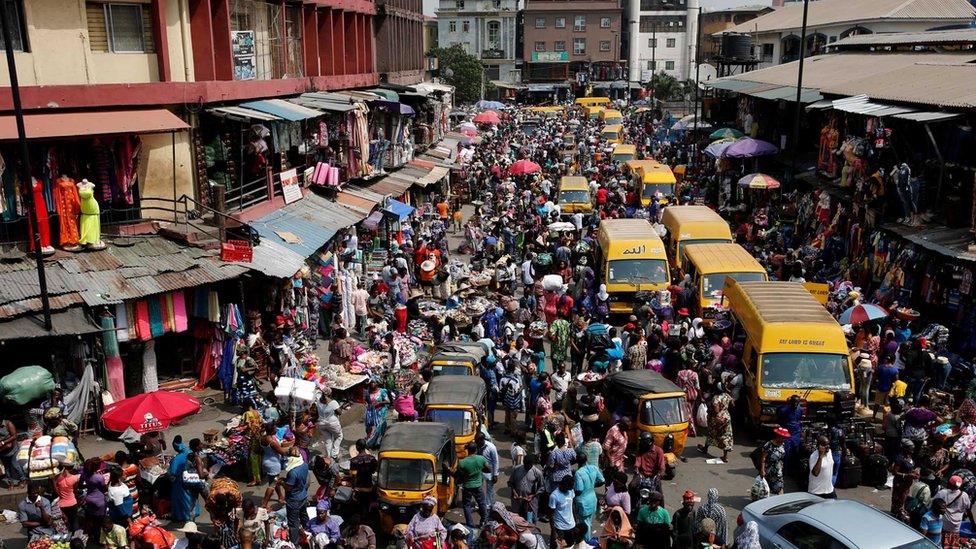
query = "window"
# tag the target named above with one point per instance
(652, 65)
(540, 46)
(497, 4)
(661, 23)
(604, 22)
(540, 22)
(119, 28)
(579, 23)
(767, 52)
(560, 22)
(604, 45)
(406, 474)
(459, 4)
(579, 46)
(18, 32)
(805, 536)
(465, 26)
(661, 5)
(804, 370)
(559, 45)
(452, 26)
(670, 42)
(494, 35)
(669, 65)
(652, 42)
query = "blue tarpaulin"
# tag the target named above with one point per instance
(399, 209)
(283, 109)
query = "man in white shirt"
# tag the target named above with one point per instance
(560, 384)
(528, 272)
(821, 470)
(546, 187)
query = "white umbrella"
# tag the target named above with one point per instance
(561, 226)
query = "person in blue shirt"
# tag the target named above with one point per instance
(561, 505)
(931, 524)
(884, 380)
(296, 495)
(902, 332)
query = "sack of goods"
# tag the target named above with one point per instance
(552, 283)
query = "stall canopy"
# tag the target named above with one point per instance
(283, 109)
(305, 226)
(436, 174)
(398, 209)
(324, 102)
(71, 321)
(71, 124)
(240, 113)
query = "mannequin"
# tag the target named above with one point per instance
(43, 222)
(901, 176)
(91, 226)
(68, 206)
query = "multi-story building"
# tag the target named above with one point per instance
(485, 29)
(713, 22)
(400, 41)
(776, 35)
(571, 41)
(663, 37)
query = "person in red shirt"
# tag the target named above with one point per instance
(601, 196)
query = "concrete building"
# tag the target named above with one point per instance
(663, 36)
(484, 28)
(567, 40)
(400, 41)
(776, 35)
(430, 42)
(714, 22)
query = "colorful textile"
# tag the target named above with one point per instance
(156, 326)
(179, 312)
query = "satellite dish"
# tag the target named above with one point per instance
(448, 72)
(707, 72)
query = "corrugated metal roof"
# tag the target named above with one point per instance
(391, 186)
(354, 202)
(953, 36)
(129, 268)
(72, 321)
(334, 105)
(826, 12)
(311, 222)
(283, 109)
(240, 113)
(928, 116)
(70, 124)
(943, 240)
(435, 175)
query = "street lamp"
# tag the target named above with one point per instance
(799, 89)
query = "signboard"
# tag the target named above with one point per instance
(242, 48)
(820, 292)
(291, 190)
(646, 75)
(550, 56)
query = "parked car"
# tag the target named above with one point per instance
(805, 521)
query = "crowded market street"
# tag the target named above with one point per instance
(610, 326)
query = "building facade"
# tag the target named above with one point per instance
(400, 41)
(571, 41)
(485, 29)
(663, 37)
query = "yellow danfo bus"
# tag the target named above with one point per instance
(630, 258)
(592, 101)
(709, 265)
(692, 225)
(623, 152)
(612, 117)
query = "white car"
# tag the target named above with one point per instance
(804, 521)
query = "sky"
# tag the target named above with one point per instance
(430, 6)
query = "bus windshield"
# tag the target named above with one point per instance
(574, 197)
(622, 157)
(638, 271)
(459, 420)
(663, 411)
(651, 189)
(805, 371)
(406, 474)
(712, 284)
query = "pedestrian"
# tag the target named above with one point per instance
(957, 507)
(720, 424)
(904, 475)
(713, 511)
(487, 449)
(425, 528)
(654, 523)
(884, 381)
(820, 481)
(587, 479)
(749, 537)
(34, 512)
(561, 506)
(470, 475)
(772, 460)
(327, 423)
(617, 494)
(615, 444)
(683, 521)
(617, 531)
(526, 483)
(512, 394)
(932, 522)
(296, 495)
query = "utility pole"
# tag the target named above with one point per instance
(24, 167)
(794, 146)
(653, 59)
(697, 72)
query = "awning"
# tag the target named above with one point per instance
(542, 87)
(398, 209)
(394, 107)
(937, 238)
(861, 104)
(355, 202)
(240, 113)
(928, 116)
(322, 104)
(373, 221)
(436, 174)
(283, 109)
(69, 322)
(389, 95)
(306, 225)
(72, 124)
(391, 186)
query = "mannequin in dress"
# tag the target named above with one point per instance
(91, 225)
(43, 222)
(68, 205)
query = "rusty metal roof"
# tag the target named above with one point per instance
(837, 12)
(129, 268)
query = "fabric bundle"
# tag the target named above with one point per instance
(321, 174)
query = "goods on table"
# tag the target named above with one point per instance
(476, 306)
(295, 394)
(964, 448)
(419, 329)
(538, 329)
(51, 542)
(26, 384)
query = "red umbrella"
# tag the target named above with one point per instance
(524, 167)
(487, 117)
(149, 411)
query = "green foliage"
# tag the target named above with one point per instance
(466, 72)
(668, 88)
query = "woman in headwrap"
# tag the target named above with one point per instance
(719, 424)
(324, 527)
(688, 381)
(182, 500)
(713, 510)
(617, 531)
(505, 527)
(377, 406)
(749, 537)
(425, 530)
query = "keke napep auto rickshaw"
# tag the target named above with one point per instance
(456, 358)
(459, 403)
(654, 405)
(415, 460)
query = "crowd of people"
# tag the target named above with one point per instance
(575, 477)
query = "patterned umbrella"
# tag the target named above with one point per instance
(524, 167)
(717, 148)
(487, 117)
(864, 312)
(758, 181)
(468, 129)
(724, 133)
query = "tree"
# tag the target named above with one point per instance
(463, 71)
(668, 88)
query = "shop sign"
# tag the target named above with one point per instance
(820, 292)
(242, 47)
(550, 56)
(291, 189)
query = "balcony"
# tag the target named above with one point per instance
(493, 53)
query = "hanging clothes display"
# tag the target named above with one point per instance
(67, 203)
(113, 362)
(91, 225)
(43, 223)
(150, 379)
